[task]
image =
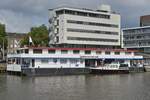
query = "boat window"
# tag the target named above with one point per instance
(26, 51)
(73, 61)
(127, 53)
(63, 61)
(17, 61)
(107, 52)
(21, 51)
(98, 52)
(87, 52)
(18, 51)
(44, 61)
(117, 53)
(76, 51)
(37, 51)
(51, 51)
(55, 60)
(64, 51)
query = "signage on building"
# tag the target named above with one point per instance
(89, 57)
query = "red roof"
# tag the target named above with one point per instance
(97, 49)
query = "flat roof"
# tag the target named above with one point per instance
(132, 28)
(97, 49)
(83, 9)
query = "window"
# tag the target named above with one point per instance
(63, 61)
(92, 31)
(107, 52)
(18, 51)
(45, 61)
(55, 60)
(37, 51)
(127, 53)
(26, 51)
(64, 51)
(92, 23)
(98, 52)
(51, 51)
(87, 52)
(76, 51)
(79, 13)
(117, 53)
(73, 61)
(92, 39)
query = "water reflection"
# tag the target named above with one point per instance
(90, 87)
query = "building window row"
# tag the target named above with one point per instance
(92, 23)
(91, 31)
(79, 13)
(37, 51)
(92, 39)
(137, 31)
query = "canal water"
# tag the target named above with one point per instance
(82, 87)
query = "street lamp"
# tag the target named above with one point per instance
(3, 49)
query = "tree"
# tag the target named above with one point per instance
(3, 39)
(39, 36)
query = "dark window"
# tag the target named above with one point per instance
(51, 51)
(87, 52)
(127, 53)
(26, 51)
(57, 22)
(107, 52)
(63, 61)
(37, 51)
(60, 12)
(18, 51)
(92, 39)
(92, 23)
(64, 51)
(79, 13)
(98, 52)
(91, 31)
(44, 61)
(76, 51)
(55, 60)
(117, 53)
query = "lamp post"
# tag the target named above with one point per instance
(3, 48)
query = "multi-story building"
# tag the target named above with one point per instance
(138, 38)
(74, 27)
(145, 20)
(14, 41)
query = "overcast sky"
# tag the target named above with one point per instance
(20, 15)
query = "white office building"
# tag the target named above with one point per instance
(74, 27)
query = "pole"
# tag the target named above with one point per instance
(3, 50)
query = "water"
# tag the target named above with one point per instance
(82, 87)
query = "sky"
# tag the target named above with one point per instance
(20, 15)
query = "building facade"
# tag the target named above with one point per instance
(74, 27)
(14, 41)
(138, 37)
(145, 20)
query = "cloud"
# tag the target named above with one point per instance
(18, 22)
(20, 15)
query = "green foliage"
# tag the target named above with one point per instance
(3, 36)
(39, 36)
